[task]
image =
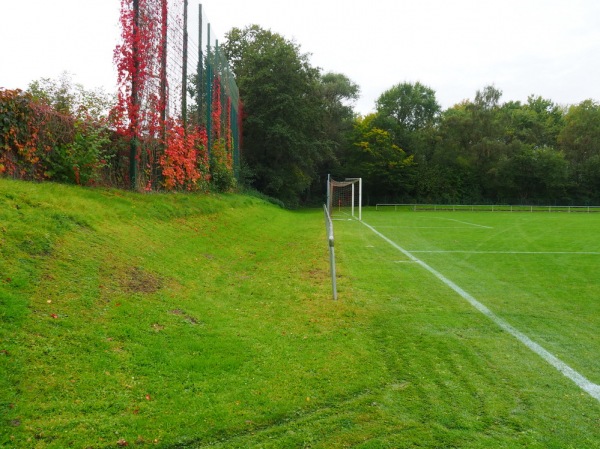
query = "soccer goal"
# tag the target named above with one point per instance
(344, 198)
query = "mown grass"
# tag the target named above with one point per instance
(182, 321)
(537, 270)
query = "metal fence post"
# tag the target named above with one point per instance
(331, 243)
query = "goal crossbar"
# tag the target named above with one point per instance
(345, 196)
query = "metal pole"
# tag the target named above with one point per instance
(133, 153)
(352, 205)
(330, 238)
(184, 66)
(332, 266)
(359, 196)
(163, 85)
(359, 199)
(163, 69)
(208, 93)
(200, 74)
(218, 95)
(328, 191)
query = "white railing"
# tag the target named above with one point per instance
(487, 208)
(330, 239)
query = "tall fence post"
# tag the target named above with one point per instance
(184, 66)
(200, 69)
(135, 99)
(163, 85)
(208, 92)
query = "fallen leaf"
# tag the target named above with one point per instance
(54, 315)
(122, 443)
(148, 398)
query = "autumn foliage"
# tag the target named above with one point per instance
(180, 153)
(142, 140)
(28, 132)
(185, 162)
(38, 142)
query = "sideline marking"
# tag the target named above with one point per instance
(594, 253)
(582, 382)
(424, 227)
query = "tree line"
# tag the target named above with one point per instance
(299, 125)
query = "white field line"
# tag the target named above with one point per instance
(423, 227)
(465, 222)
(593, 253)
(589, 387)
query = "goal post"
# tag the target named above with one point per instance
(345, 197)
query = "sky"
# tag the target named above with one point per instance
(548, 48)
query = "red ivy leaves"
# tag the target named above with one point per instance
(185, 160)
(183, 155)
(217, 109)
(138, 63)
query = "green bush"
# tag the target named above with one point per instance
(80, 161)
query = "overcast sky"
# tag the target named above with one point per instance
(549, 48)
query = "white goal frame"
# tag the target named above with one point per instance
(346, 194)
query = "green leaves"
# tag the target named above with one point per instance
(283, 132)
(410, 106)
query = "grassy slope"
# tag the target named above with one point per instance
(170, 318)
(184, 321)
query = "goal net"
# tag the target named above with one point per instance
(344, 198)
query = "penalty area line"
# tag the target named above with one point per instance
(465, 222)
(581, 381)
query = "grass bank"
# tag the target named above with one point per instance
(166, 319)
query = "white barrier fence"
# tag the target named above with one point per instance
(486, 208)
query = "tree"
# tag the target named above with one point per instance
(74, 99)
(284, 110)
(533, 174)
(82, 156)
(411, 106)
(382, 164)
(580, 141)
(407, 111)
(590, 180)
(580, 137)
(338, 93)
(452, 174)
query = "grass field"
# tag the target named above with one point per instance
(182, 321)
(538, 271)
